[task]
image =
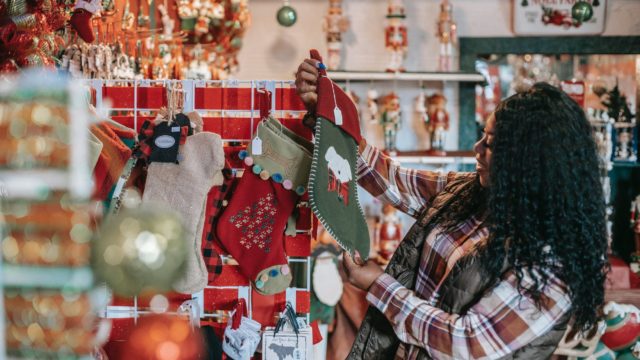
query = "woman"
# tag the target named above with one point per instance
(499, 261)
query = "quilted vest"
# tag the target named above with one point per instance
(461, 289)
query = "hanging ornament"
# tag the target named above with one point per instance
(582, 11)
(287, 15)
(140, 250)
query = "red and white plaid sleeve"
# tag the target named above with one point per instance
(408, 190)
(501, 322)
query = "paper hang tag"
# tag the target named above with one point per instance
(337, 115)
(256, 146)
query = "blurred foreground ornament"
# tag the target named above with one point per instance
(140, 250)
(287, 15)
(164, 337)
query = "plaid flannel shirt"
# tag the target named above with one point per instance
(498, 324)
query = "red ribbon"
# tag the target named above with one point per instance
(240, 310)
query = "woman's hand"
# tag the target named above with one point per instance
(306, 81)
(361, 274)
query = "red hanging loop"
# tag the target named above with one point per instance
(240, 310)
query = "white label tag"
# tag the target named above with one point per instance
(175, 129)
(256, 146)
(165, 141)
(337, 115)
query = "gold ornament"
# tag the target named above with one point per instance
(140, 250)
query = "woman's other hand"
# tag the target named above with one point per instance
(306, 81)
(361, 274)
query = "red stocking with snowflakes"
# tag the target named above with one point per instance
(252, 226)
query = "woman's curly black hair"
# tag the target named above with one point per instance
(545, 205)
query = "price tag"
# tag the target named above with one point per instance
(337, 115)
(256, 146)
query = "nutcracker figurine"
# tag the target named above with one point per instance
(389, 233)
(635, 223)
(390, 120)
(335, 23)
(421, 111)
(372, 105)
(447, 33)
(396, 35)
(438, 122)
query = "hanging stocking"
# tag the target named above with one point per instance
(251, 227)
(217, 199)
(81, 18)
(183, 188)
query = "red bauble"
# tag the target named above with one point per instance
(163, 337)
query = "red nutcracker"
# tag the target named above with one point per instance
(448, 35)
(335, 23)
(389, 233)
(438, 123)
(396, 35)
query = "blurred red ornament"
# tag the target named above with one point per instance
(163, 337)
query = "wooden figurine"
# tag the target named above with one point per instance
(396, 40)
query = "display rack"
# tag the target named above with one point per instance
(405, 76)
(230, 109)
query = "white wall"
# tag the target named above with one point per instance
(272, 51)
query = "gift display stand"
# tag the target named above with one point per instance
(230, 109)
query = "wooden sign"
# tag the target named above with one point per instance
(558, 17)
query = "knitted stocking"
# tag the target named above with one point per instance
(184, 188)
(251, 227)
(81, 18)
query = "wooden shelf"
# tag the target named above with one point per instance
(424, 157)
(627, 296)
(405, 76)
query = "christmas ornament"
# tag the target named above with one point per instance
(448, 36)
(327, 284)
(582, 11)
(140, 250)
(335, 23)
(332, 184)
(396, 40)
(162, 337)
(623, 326)
(286, 15)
